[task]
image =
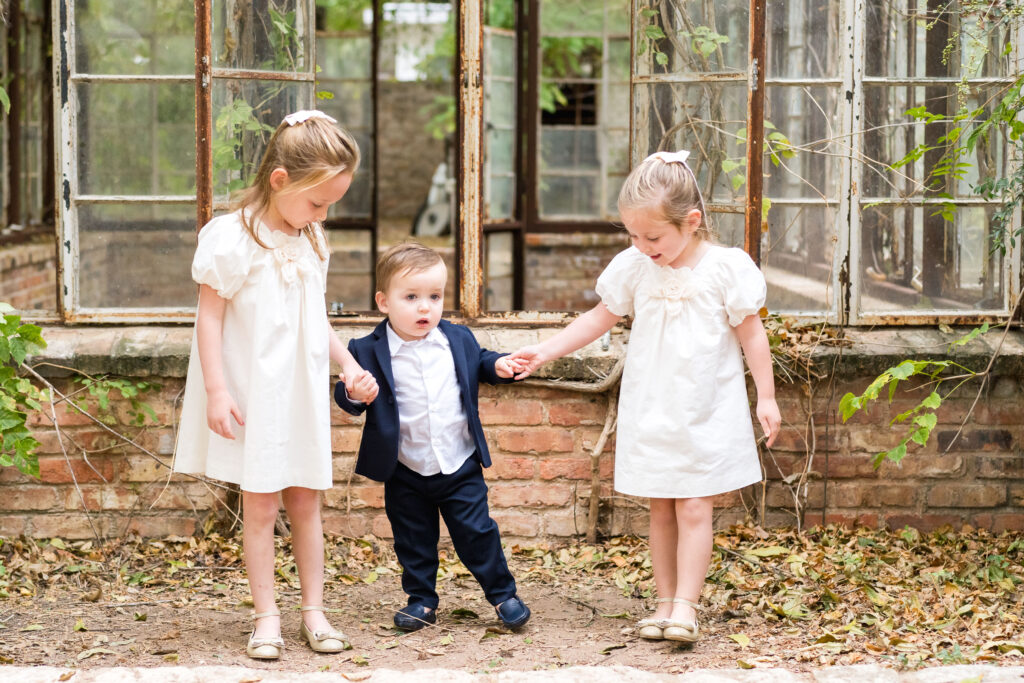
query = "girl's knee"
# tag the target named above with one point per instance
(692, 511)
(260, 508)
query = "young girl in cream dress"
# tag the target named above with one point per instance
(684, 428)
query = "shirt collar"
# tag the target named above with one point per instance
(395, 343)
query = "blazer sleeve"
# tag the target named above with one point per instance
(487, 359)
(341, 396)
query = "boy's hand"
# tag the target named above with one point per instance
(360, 386)
(770, 418)
(220, 408)
(506, 368)
(526, 360)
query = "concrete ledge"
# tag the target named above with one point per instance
(162, 351)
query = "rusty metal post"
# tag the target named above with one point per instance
(469, 190)
(204, 115)
(755, 130)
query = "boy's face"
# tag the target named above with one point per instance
(414, 301)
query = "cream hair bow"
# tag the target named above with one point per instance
(679, 157)
(305, 115)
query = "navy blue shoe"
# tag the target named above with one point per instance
(414, 617)
(513, 613)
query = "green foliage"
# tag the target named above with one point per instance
(5, 100)
(233, 122)
(100, 391)
(704, 40)
(921, 418)
(18, 395)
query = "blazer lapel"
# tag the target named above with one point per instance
(383, 353)
(459, 356)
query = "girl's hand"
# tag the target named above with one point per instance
(361, 386)
(770, 418)
(526, 360)
(506, 368)
(220, 408)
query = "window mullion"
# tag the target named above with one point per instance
(469, 238)
(204, 115)
(755, 129)
(846, 260)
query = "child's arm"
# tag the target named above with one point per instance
(360, 384)
(220, 406)
(754, 341)
(577, 334)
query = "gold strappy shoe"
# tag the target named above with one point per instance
(682, 631)
(264, 648)
(323, 641)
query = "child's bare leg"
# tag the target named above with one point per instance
(693, 517)
(303, 506)
(259, 513)
(663, 539)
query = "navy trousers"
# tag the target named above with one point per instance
(412, 502)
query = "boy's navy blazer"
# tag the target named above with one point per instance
(378, 450)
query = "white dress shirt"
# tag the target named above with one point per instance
(434, 433)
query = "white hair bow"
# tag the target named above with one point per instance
(679, 157)
(305, 115)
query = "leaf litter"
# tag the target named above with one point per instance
(773, 598)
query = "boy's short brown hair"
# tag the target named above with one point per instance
(406, 256)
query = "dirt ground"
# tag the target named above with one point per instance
(185, 602)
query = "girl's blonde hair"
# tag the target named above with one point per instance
(311, 151)
(670, 187)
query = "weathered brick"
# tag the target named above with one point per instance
(780, 495)
(164, 525)
(1016, 494)
(1009, 466)
(11, 526)
(342, 524)
(143, 468)
(70, 526)
(1000, 521)
(539, 440)
(361, 496)
(842, 466)
(874, 439)
(872, 494)
(511, 467)
(381, 527)
(18, 498)
(340, 417)
(924, 465)
(973, 439)
(926, 521)
(504, 495)
(57, 470)
(850, 519)
(962, 495)
(793, 439)
(565, 468)
(998, 412)
(569, 413)
(566, 522)
(67, 416)
(516, 524)
(345, 440)
(502, 411)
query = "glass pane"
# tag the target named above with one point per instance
(136, 255)
(709, 119)
(572, 17)
(501, 150)
(350, 271)
(357, 202)
(498, 270)
(343, 58)
(905, 41)
(245, 114)
(136, 138)
(568, 149)
(796, 256)
(501, 194)
(500, 53)
(803, 39)
(913, 259)
(693, 37)
(269, 35)
(416, 128)
(568, 196)
(729, 228)
(117, 37)
(802, 155)
(500, 13)
(500, 103)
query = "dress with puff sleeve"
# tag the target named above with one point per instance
(275, 356)
(684, 424)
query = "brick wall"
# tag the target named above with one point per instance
(541, 438)
(29, 281)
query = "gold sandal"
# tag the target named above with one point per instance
(682, 631)
(651, 628)
(331, 641)
(264, 648)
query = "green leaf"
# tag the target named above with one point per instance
(933, 401)
(5, 100)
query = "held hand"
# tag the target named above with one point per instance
(526, 359)
(220, 408)
(770, 418)
(506, 368)
(362, 387)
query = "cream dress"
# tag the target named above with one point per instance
(685, 428)
(276, 362)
